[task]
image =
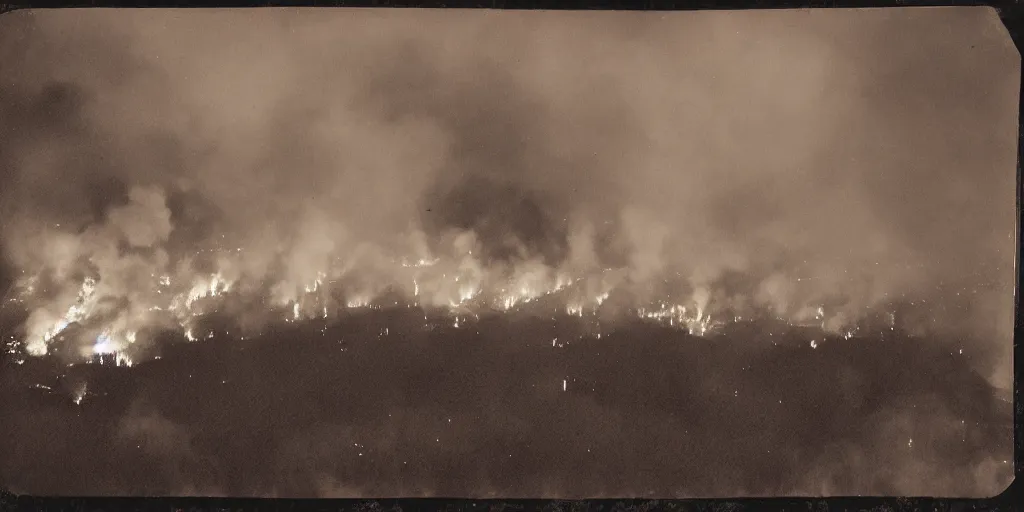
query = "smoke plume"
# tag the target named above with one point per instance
(850, 170)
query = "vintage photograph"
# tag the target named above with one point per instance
(347, 253)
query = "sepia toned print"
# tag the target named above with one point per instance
(390, 252)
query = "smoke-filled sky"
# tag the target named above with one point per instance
(759, 252)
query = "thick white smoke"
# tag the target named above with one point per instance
(477, 164)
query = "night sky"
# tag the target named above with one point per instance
(834, 188)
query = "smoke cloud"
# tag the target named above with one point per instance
(851, 170)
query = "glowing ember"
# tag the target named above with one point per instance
(79, 394)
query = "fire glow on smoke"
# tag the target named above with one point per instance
(450, 279)
(427, 154)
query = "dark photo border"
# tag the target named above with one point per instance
(1012, 15)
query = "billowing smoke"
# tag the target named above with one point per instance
(483, 163)
(697, 169)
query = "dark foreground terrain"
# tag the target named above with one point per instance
(384, 403)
